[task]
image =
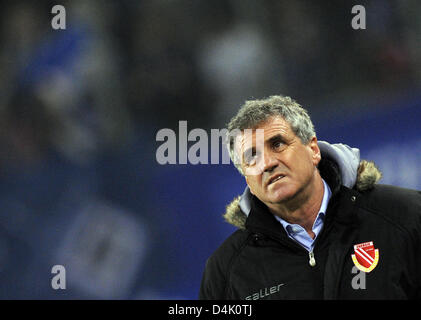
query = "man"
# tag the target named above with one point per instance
(313, 223)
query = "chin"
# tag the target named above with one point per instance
(281, 196)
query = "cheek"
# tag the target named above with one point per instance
(304, 164)
(254, 184)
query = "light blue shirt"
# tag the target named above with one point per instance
(298, 233)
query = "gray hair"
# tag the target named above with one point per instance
(256, 112)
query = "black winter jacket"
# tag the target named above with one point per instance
(259, 261)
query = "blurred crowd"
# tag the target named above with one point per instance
(79, 108)
(131, 63)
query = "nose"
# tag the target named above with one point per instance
(269, 163)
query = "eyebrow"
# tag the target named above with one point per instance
(276, 138)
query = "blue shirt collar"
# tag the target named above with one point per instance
(320, 216)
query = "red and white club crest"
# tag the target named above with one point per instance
(365, 257)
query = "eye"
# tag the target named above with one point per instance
(277, 144)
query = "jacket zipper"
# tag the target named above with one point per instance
(312, 260)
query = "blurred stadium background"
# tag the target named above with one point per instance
(80, 109)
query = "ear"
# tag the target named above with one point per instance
(315, 151)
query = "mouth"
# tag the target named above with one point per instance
(275, 178)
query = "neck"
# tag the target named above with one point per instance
(304, 207)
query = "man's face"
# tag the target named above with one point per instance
(279, 166)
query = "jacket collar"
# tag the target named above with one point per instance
(367, 176)
(260, 219)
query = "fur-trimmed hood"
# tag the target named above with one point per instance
(340, 165)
